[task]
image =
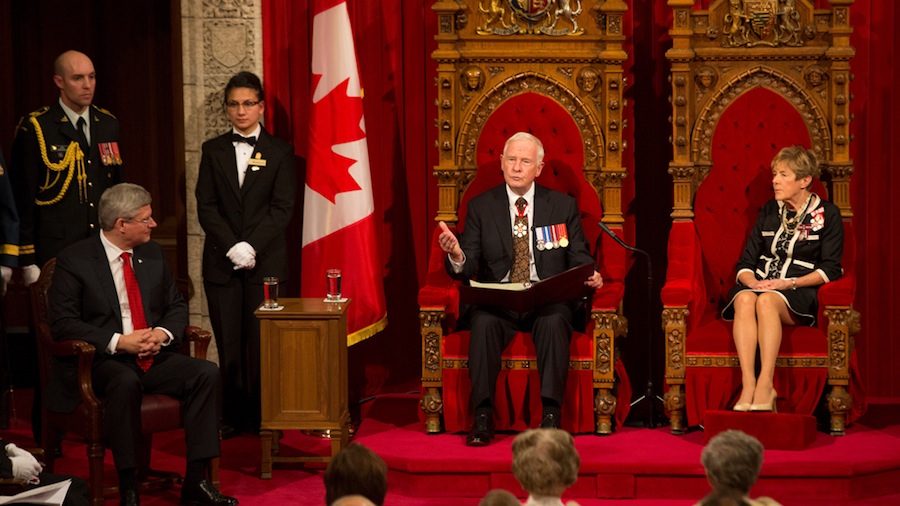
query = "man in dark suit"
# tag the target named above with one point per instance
(245, 197)
(58, 169)
(115, 291)
(546, 227)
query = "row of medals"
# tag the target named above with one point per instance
(521, 230)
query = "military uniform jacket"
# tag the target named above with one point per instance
(56, 198)
(9, 220)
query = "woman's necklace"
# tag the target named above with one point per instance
(790, 224)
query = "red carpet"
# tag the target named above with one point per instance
(633, 466)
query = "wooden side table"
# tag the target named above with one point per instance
(303, 363)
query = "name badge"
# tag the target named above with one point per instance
(256, 163)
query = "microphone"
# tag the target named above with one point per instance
(616, 238)
(649, 394)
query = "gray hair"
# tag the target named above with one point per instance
(499, 497)
(525, 136)
(802, 162)
(545, 461)
(732, 460)
(121, 201)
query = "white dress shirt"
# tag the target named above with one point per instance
(243, 152)
(114, 256)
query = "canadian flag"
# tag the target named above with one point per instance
(338, 210)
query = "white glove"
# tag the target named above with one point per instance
(31, 273)
(5, 275)
(249, 265)
(242, 255)
(24, 465)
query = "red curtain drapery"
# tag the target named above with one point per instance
(394, 40)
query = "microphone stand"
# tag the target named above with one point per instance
(649, 394)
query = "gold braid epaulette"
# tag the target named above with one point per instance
(73, 161)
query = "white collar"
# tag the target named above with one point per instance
(73, 116)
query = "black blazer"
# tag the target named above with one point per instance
(257, 212)
(84, 305)
(47, 229)
(487, 240)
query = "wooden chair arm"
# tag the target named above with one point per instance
(200, 337)
(11, 486)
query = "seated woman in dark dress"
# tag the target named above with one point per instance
(795, 246)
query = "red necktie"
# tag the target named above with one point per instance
(138, 319)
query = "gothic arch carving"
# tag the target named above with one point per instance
(759, 77)
(530, 82)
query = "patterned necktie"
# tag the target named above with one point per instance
(520, 272)
(138, 319)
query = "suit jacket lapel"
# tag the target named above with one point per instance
(143, 272)
(66, 128)
(228, 163)
(500, 212)
(104, 275)
(543, 209)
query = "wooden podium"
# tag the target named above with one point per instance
(303, 363)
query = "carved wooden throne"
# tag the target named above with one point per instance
(556, 73)
(748, 78)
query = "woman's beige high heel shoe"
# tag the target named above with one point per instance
(769, 406)
(742, 406)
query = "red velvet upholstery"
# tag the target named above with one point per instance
(702, 254)
(517, 396)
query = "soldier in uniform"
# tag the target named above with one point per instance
(64, 156)
(9, 229)
(9, 256)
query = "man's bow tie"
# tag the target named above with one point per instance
(240, 138)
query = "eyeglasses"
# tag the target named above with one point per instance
(146, 221)
(246, 105)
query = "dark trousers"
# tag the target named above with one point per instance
(231, 308)
(492, 329)
(195, 381)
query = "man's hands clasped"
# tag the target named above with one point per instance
(142, 342)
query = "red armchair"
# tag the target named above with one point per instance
(594, 373)
(566, 86)
(743, 87)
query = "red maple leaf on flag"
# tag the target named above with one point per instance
(334, 120)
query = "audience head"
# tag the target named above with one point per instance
(499, 497)
(801, 161)
(545, 461)
(356, 470)
(732, 460)
(352, 500)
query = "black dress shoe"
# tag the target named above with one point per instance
(205, 494)
(550, 420)
(482, 431)
(130, 498)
